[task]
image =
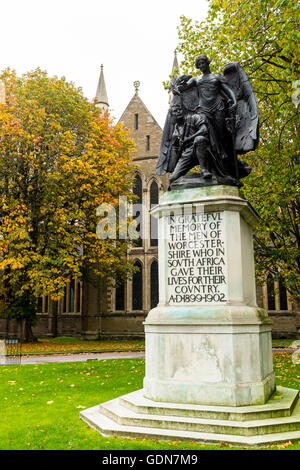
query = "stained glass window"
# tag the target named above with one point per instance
(120, 297)
(137, 208)
(282, 296)
(137, 287)
(271, 292)
(153, 220)
(154, 284)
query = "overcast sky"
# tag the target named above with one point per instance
(133, 39)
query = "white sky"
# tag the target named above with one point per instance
(133, 39)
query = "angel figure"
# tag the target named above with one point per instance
(211, 120)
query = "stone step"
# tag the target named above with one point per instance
(281, 404)
(108, 427)
(126, 417)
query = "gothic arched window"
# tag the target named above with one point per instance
(282, 296)
(271, 292)
(154, 284)
(78, 299)
(137, 287)
(137, 208)
(72, 296)
(65, 300)
(40, 304)
(153, 220)
(46, 303)
(120, 297)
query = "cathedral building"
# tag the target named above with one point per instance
(101, 311)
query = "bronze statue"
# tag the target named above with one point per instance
(211, 120)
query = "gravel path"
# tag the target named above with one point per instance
(97, 356)
(80, 357)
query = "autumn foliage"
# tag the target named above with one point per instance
(59, 160)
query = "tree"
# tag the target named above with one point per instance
(59, 161)
(262, 35)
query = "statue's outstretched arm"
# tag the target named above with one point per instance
(185, 85)
(229, 94)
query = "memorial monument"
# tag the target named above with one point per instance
(209, 371)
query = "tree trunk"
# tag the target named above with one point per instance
(20, 329)
(28, 334)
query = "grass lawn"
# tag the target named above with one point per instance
(66, 344)
(285, 343)
(40, 404)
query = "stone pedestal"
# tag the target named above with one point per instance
(207, 342)
(209, 372)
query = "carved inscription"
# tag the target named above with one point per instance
(196, 259)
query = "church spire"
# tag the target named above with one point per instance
(101, 99)
(175, 68)
(174, 74)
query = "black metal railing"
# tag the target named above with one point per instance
(10, 351)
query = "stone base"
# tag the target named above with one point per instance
(207, 342)
(217, 355)
(196, 180)
(135, 416)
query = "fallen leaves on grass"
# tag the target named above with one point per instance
(285, 444)
(280, 446)
(286, 371)
(45, 346)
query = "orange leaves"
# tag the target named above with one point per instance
(59, 160)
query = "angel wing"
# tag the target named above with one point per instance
(162, 166)
(247, 130)
(188, 95)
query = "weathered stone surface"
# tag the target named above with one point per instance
(134, 416)
(211, 364)
(281, 403)
(207, 342)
